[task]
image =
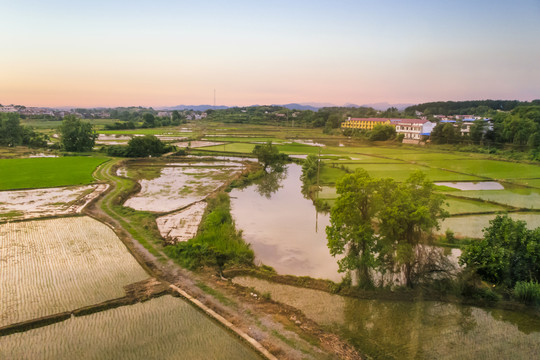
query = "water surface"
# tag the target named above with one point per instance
(414, 330)
(283, 227)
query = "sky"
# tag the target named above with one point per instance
(165, 53)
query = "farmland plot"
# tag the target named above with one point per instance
(178, 186)
(28, 204)
(164, 328)
(182, 225)
(50, 266)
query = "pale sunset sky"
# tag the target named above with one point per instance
(164, 53)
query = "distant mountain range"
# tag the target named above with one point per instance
(314, 106)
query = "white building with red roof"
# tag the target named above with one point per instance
(413, 129)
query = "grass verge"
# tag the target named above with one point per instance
(217, 243)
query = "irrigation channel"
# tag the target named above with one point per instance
(287, 233)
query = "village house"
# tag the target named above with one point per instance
(8, 109)
(364, 123)
(165, 114)
(414, 130)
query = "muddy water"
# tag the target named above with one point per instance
(414, 330)
(162, 328)
(283, 227)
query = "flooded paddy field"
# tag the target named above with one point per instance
(55, 265)
(28, 204)
(197, 144)
(181, 225)
(164, 328)
(169, 186)
(383, 329)
(472, 225)
(460, 206)
(522, 198)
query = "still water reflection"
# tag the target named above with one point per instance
(283, 227)
(414, 330)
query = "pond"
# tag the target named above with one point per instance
(382, 329)
(283, 227)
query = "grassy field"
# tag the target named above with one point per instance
(59, 265)
(33, 173)
(401, 172)
(490, 168)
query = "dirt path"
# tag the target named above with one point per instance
(274, 326)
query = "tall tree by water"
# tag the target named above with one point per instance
(379, 224)
(351, 231)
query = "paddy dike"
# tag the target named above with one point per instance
(136, 292)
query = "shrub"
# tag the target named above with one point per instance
(217, 243)
(527, 292)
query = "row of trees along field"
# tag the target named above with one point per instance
(76, 136)
(133, 120)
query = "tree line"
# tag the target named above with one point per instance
(12, 133)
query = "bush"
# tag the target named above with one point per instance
(527, 292)
(217, 243)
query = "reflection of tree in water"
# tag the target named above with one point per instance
(400, 329)
(271, 182)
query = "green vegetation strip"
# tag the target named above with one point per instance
(47, 172)
(140, 225)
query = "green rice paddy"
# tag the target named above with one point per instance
(32, 173)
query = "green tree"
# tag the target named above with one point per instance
(77, 135)
(350, 231)
(11, 131)
(508, 253)
(445, 133)
(177, 118)
(309, 169)
(269, 155)
(478, 129)
(149, 121)
(382, 133)
(143, 146)
(408, 214)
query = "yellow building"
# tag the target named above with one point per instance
(364, 123)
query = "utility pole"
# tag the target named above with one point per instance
(214, 97)
(318, 170)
